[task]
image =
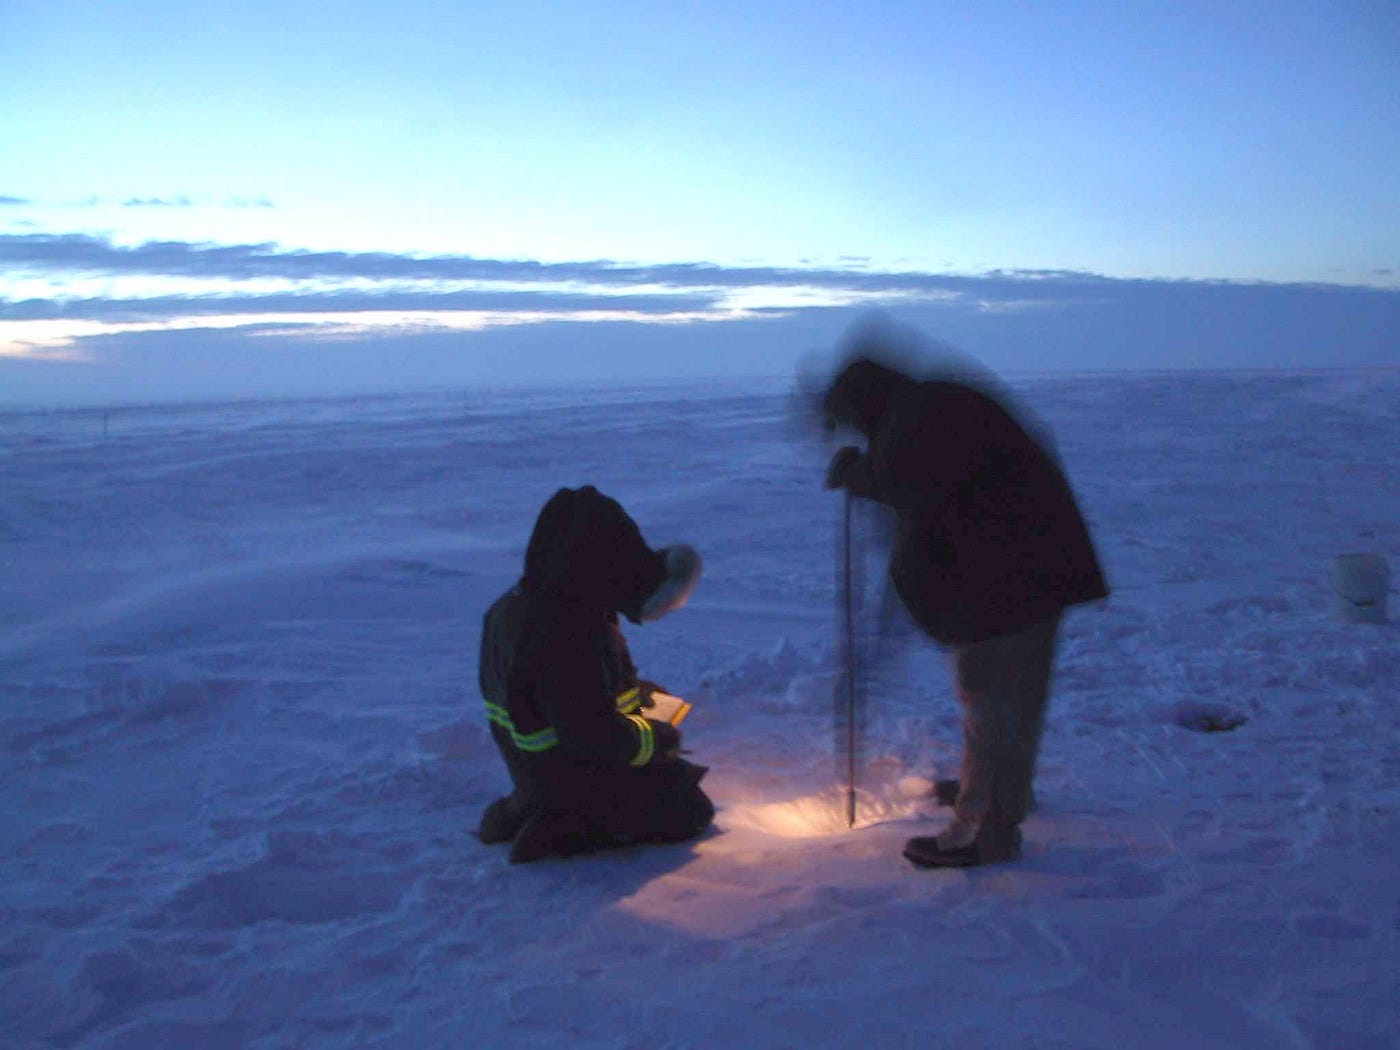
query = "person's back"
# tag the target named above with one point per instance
(990, 535)
(500, 631)
(500, 637)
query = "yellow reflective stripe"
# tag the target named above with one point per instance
(542, 740)
(629, 701)
(546, 738)
(646, 746)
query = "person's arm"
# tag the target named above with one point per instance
(848, 470)
(574, 696)
(894, 472)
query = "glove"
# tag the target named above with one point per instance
(668, 741)
(845, 458)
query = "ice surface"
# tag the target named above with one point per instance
(242, 753)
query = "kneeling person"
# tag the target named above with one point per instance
(590, 770)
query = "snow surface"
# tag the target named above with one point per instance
(243, 755)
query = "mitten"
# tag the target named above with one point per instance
(841, 462)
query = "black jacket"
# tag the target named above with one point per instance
(989, 535)
(554, 668)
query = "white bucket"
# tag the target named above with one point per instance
(1361, 583)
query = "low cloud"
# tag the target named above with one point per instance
(86, 306)
(238, 277)
(178, 200)
(183, 201)
(79, 254)
(158, 307)
(158, 202)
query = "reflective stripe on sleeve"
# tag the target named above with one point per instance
(542, 740)
(646, 744)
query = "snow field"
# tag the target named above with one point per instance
(242, 752)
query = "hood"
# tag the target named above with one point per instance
(861, 394)
(586, 552)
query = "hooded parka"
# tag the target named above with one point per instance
(989, 535)
(561, 691)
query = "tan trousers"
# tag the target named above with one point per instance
(1003, 684)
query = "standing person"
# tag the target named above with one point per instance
(990, 549)
(568, 713)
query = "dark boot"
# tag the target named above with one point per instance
(554, 833)
(995, 844)
(500, 822)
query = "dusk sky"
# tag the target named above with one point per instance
(261, 198)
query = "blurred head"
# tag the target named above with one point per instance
(860, 395)
(879, 355)
(586, 552)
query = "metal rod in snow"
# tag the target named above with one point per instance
(848, 616)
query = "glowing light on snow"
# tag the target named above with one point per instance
(825, 813)
(712, 897)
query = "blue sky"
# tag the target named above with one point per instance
(410, 189)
